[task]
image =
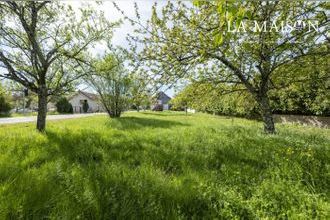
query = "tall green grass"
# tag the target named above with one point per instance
(163, 166)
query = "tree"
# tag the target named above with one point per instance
(210, 36)
(303, 87)
(188, 97)
(112, 82)
(210, 98)
(64, 106)
(139, 92)
(42, 46)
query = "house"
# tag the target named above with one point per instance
(79, 98)
(162, 100)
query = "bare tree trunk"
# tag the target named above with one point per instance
(267, 116)
(42, 108)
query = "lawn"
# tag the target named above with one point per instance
(163, 166)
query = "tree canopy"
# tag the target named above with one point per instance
(197, 42)
(42, 46)
(110, 79)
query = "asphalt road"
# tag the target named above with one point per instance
(16, 120)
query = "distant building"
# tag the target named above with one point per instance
(162, 100)
(80, 97)
(191, 110)
(28, 102)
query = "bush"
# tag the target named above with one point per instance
(5, 106)
(64, 106)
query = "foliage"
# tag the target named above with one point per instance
(5, 105)
(198, 42)
(163, 166)
(138, 89)
(112, 82)
(32, 100)
(216, 99)
(64, 106)
(308, 96)
(303, 87)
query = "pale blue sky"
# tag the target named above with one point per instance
(113, 14)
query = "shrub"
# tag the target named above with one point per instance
(5, 106)
(64, 106)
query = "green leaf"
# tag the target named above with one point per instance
(218, 39)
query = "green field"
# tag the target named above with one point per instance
(163, 166)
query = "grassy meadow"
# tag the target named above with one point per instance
(163, 166)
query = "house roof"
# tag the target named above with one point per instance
(91, 96)
(162, 95)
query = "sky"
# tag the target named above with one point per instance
(114, 15)
(120, 33)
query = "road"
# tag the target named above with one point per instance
(16, 120)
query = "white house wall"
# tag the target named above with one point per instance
(93, 105)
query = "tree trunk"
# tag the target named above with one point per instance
(42, 108)
(267, 116)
